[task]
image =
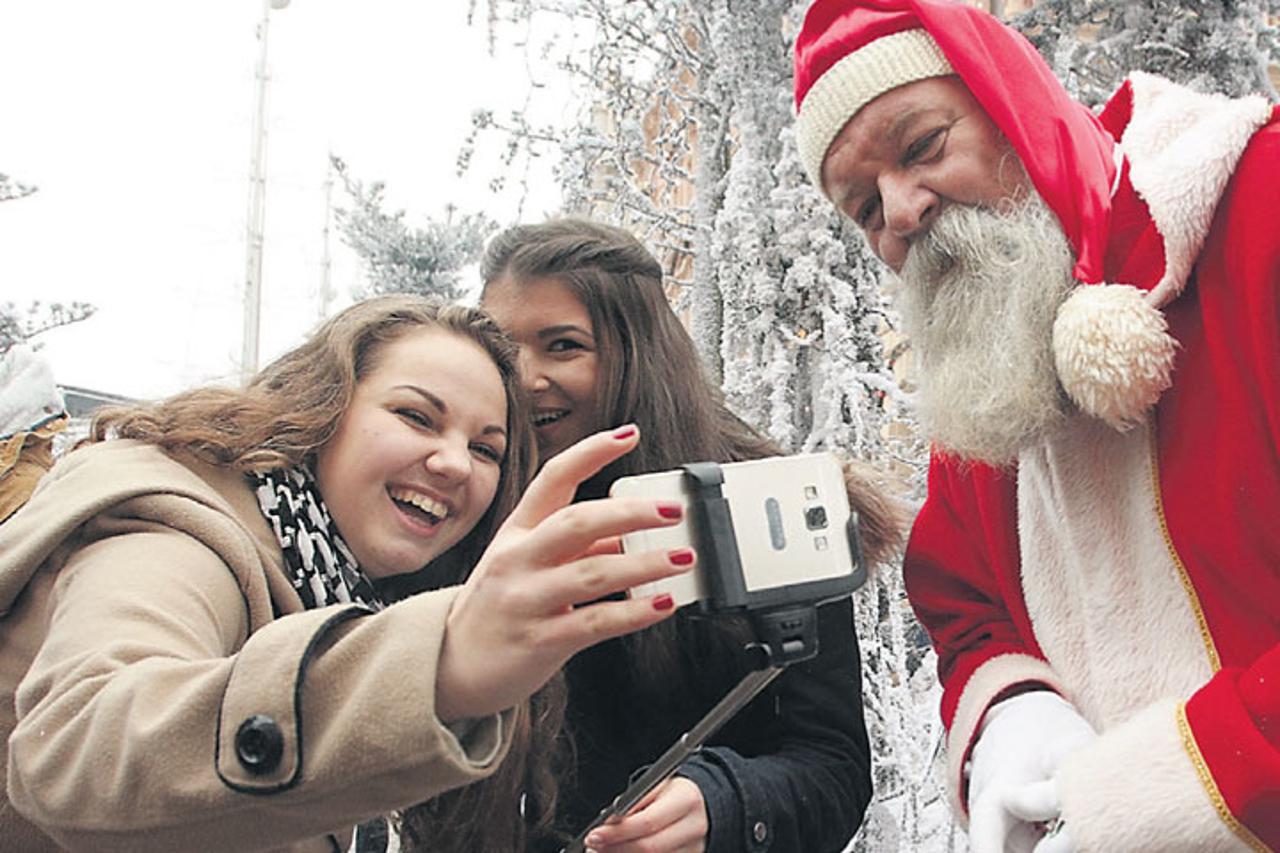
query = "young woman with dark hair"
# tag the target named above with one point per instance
(600, 345)
(200, 646)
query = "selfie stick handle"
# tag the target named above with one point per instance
(689, 742)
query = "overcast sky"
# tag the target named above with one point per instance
(134, 121)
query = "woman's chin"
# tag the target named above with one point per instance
(403, 561)
(558, 436)
(548, 446)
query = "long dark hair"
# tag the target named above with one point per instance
(650, 374)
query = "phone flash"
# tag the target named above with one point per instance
(811, 492)
(820, 543)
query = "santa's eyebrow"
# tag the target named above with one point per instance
(893, 136)
(900, 124)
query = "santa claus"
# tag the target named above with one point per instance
(1093, 301)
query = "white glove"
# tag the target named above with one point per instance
(1038, 805)
(1012, 795)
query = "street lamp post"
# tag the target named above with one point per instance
(326, 285)
(257, 202)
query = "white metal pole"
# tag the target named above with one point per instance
(257, 202)
(326, 285)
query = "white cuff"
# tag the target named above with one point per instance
(987, 682)
(1135, 788)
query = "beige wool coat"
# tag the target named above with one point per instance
(163, 688)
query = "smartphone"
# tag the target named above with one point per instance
(796, 537)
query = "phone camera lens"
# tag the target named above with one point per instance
(815, 517)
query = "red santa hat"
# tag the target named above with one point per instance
(1112, 350)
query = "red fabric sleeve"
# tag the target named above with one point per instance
(1235, 718)
(961, 572)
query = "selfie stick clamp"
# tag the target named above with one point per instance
(785, 633)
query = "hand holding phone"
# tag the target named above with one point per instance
(520, 614)
(795, 534)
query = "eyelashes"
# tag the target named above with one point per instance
(424, 421)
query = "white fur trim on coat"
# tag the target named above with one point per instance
(988, 682)
(1183, 147)
(1135, 788)
(1108, 604)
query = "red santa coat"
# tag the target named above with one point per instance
(1138, 573)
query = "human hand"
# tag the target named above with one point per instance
(672, 818)
(514, 622)
(1012, 794)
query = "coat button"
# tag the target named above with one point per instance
(259, 744)
(760, 832)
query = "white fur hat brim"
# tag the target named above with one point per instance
(856, 80)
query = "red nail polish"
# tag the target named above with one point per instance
(680, 556)
(664, 602)
(623, 432)
(670, 509)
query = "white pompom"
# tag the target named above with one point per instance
(1113, 352)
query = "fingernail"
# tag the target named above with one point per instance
(593, 840)
(662, 602)
(680, 556)
(670, 509)
(624, 431)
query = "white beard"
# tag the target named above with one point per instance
(978, 295)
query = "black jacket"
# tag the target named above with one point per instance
(789, 774)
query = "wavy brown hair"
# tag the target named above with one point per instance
(292, 406)
(290, 409)
(650, 375)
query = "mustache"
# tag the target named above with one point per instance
(977, 296)
(976, 238)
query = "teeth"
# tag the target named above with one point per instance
(423, 502)
(544, 418)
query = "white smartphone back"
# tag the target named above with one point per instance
(789, 519)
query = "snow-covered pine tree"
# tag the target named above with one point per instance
(693, 97)
(22, 324)
(402, 259)
(11, 189)
(685, 137)
(1215, 46)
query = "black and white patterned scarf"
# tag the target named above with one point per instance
(323, 571)
(320, 564)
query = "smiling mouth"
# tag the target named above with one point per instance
(549, 416)
(420, 506)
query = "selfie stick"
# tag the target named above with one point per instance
(689, 743)
(786, 633)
